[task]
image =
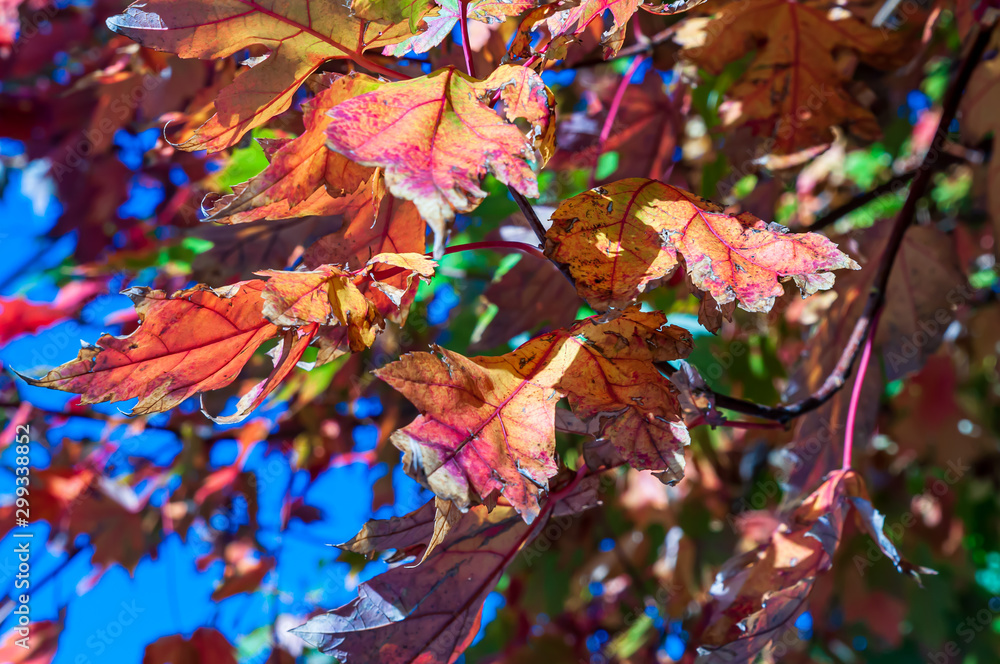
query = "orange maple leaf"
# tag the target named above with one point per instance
(300, 37)
(624, 238)
(304, 178)
(189, 342)
(488, 423)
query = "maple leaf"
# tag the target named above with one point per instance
(300, 37)
(303, 177)
(436, 138)
(624, 238)
(488, 423)
(795, 90)
(192, 341)
(613, 385)
(756, 593)
(525, 95)
(330, 294)
(431, 613)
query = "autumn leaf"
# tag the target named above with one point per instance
(488, 423)
(613, 385)
(759, 594)
(300, 36)
(795, 90)
(329, 295)
(525, 95)
(624, 238)
(192, 341)
(303, 177)
(428, 613)
(431, 613)
(436, 138)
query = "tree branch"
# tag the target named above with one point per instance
(866, 323)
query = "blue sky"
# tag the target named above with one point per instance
(114, 619)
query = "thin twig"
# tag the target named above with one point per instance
(852, 407)
(609, 121)
(893, 185)
(470, 66)
(529, 214)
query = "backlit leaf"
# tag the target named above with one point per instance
(488, 423)
(189, 342)
(300, 36)
(626, 237)
(304, 177)
(436, 138)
